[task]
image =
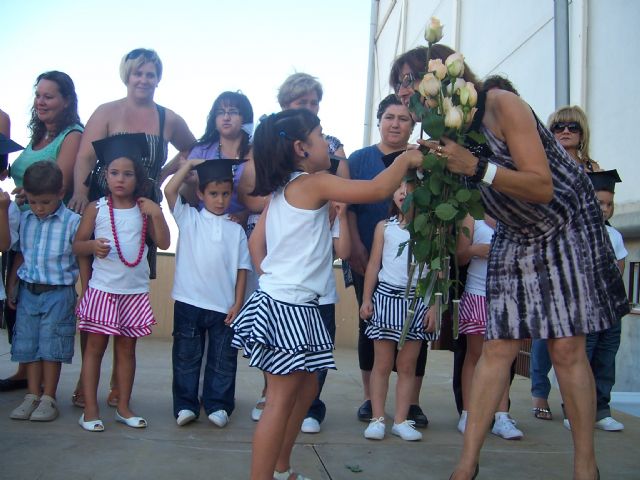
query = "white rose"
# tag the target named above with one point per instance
(455, 86)
(437, 68)
(433, 32)
(453, 118)
(429, 85)
(455, 64)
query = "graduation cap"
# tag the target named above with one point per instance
(8, 146)
(216, 170)
(604, 180)
(133, 146)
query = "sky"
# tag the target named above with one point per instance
(206, 47)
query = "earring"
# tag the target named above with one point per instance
(306, 154)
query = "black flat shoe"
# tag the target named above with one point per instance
(365, 414)
(9, 384)
(417, 415)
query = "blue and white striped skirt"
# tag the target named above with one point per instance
(389, 311)
(281, 338)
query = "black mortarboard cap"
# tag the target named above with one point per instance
(133, 146)
(8, 146)
(216, 170)
(604, 180)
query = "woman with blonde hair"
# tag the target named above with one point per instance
(571, 128)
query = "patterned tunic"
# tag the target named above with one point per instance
(552, 271)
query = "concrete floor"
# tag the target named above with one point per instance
(62, 450)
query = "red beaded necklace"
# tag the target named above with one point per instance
(115, 236)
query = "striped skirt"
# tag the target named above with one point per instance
(281, 338)
(127, 315)
(473, 314)
(389, 311)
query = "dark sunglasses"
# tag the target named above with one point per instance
(133, 54)
(573, 127)
(405, 82)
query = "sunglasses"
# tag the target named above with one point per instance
(133, 54)
(573, 127)
(405, 82)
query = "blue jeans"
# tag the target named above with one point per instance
(540, 366)
(318, 409)
(191, 327)
(601, 350)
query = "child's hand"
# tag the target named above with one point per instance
(194, 162)
(366, 310)
(233, 313)
(340, 208)
(429, 320)
(21, 198)
(101, 247)
(149, 207)
(5, 200)
(414, 157)
(12, 294)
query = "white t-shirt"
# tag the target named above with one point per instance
(109, 273)
(211, 250)
(299, 258)
(617, 243)
(14, 227)
(394, 268)
(477, 273)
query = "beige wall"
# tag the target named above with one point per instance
(162, 303)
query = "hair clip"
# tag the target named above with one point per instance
(283, 134)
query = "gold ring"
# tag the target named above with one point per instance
(439, 149)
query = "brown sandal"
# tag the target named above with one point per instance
(77, 399)
(542, 413)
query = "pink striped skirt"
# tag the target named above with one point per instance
(127, 315)
(473, 314)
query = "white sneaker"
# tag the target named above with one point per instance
(219, 418)
(609, 424)
(256, 412)
(184, 417)
(406, 431)
(375, 430)
(566, 424)
(462, 423)
(310, 425)
(505, 427)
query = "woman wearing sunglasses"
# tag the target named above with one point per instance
(140, 71)
(570, 127)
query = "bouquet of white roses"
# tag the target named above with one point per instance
(444, 105)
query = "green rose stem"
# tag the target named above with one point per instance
(455, 315)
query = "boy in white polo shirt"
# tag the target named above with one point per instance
(212, 261)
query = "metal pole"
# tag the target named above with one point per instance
(366, 137)
(561, 36)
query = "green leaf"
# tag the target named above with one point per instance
(422, 196)
(421, 250)
(477, 137)
(476, 210)
(421, 222)
(435, 184)
(435, 264)
(401, 247)
(416, 106)
(406, 204)
(433, 124)
(463, 195)
(446, 211)
(431, 161)
(475, 195)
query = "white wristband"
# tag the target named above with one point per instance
(490, 173)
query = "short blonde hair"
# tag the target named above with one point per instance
(297, 85)
(135, 59)
(573, 113)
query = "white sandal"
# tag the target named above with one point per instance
(91, 425)
(287, 475)
(133, 422)
(256, 413)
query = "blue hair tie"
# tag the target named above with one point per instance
(283, 134)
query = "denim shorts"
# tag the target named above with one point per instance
(45, 326)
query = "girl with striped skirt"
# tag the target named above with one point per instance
(280, 328)
(474, 250)
(386, 309)
(115, 289)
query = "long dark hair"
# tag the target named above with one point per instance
(417, 61)
(69, 116)
(273, 153)
(229, 99)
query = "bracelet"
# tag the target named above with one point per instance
(490, 173)
(481, 169)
